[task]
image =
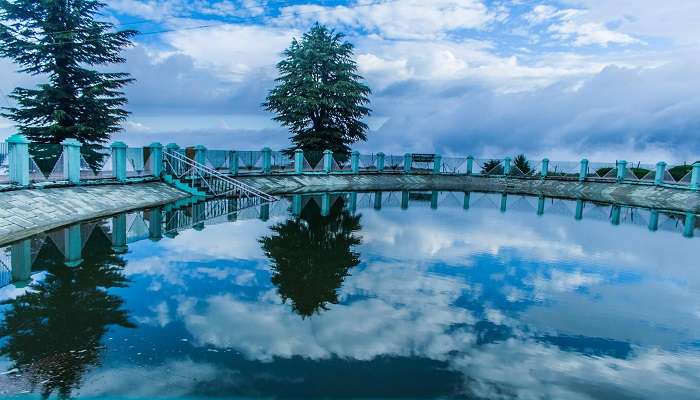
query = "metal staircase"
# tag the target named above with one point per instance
(209, 181)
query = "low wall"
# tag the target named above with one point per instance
(24, 213)
(661, 198)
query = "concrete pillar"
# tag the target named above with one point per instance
(404, 199)
(506, 166)
(73, 246)
(615, 214)
(437, 164)
(654, 220)
(296, 205)
(231, 209)
(695, 177)
(21, 263)
(119, 234)
(200, 154)
(327, 161)
(689, 225)
(71, 160)
(353, 202)
(378, 201)
(470, 165)
(407, 162)
(545, 167)
(198, 215)
(504, 202)
(119, 161)
(579, 210)
(621, 170)
(540, 205)
(467, 200)
(660, 173)
(170, 148)
(355, 161)
(266, 160)
(155, 224)
(380, 162)
(156, 158)
(434, 200)
(233, 162)
(265, 212)
(18, 149)
(298, 161)
(583, 172)
(325, 204)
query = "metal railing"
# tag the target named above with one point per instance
(182, 167)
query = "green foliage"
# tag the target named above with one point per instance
(601, 172)
(680, 171)
(312, 255)
(521, 162)
(61, 39)
(640, 172)
(319, 96)
(492, 167)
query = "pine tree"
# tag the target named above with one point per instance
(319, 96)
(62, 40)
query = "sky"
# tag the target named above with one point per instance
(564, 79)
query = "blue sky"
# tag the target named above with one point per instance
(565, 79)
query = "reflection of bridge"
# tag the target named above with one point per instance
(17, 261)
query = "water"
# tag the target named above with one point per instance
(433, 301)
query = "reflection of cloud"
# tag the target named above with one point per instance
(160, 317)
(561, 281)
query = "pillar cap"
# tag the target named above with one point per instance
(661, 163)
(72, 142)
(266, 150)
(380, 153)
(18, 139)
(199, 147)
(327, 151)
(121, 145)
(696, 164)
(355, 152)
(172, 146)
(470, 157)
(156, 145)
(298, 151)
(545, 159)
(507, 159)
(585, 160)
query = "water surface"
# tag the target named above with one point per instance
(392, 295)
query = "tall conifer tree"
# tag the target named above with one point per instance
(62, 41)
(319, 96)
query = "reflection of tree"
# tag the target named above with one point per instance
(311, 256)
(53, 332)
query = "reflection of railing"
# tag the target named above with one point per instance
(214, 182)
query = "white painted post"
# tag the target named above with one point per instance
(71, 160)
(18, 148)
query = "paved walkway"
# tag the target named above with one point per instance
(26, 212)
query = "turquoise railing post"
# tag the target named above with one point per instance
(18, 149)
(325, 204)
(660, 173)
(615, 214)
(621, 170)
(200, 154)
(119, 234)
(71, 160)
(378, 201)
(21, 262)
(540, 205)
(380, 162)
(470, 165)
(583, 172)
(266, 160)
(155, 224)
(296, 205)
(437, 164)
(434, 200)
(265, 212)
(170, 148)
(695, 177)
(353, 203)
(73, 246)
(327, 161)
(467, 200)
(233, 162)
(298, 161)
(545, 167)
(579, 210)
(504, 202)
(506, 166)
(156, 158)
(355, 161)
(407, 162)
(232, 209)
(119, 161)
(689, 225)
(404, 199)
(654, 220)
